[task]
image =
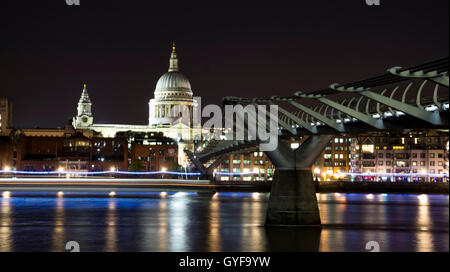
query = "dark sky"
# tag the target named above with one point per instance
(48, 50)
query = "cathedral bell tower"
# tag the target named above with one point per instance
(84, 116)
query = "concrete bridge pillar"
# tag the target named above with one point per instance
(293, 199)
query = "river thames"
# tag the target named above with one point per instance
(159, 221)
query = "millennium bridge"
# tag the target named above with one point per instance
(400, 99)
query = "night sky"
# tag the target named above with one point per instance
(48, 50)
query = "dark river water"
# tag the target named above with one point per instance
(157, 221)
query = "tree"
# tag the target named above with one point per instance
(136, 166)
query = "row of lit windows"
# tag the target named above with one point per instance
(414, 171)
(146, 142)
(335, 164)
(340, 140)
(402, 163)
(258, 154)
(246, 162)
(336, 156)
(413, 155)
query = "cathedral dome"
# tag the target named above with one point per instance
(173, 84)
(173, 81)
(173, 102)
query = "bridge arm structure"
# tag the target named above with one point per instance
(293, 199)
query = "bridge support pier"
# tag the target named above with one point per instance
(293, 200)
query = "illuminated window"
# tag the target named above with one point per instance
(398, 147)
(295, 145)
(401, 164)
(368, 148)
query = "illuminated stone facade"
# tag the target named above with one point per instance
(170, 112)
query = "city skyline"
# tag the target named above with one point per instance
(263, 130)
(121, 60)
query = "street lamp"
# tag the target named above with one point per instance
(112, 169)
(6, 169)
(316, 173)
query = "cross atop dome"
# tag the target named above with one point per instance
(173, 62)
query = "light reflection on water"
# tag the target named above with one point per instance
(223, 222)
(5, 224)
